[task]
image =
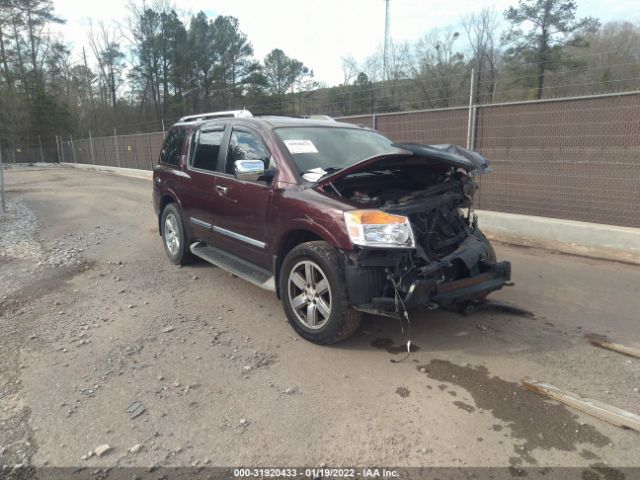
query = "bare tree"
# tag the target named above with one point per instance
(106, 48)
(481, 29)
(438, 67)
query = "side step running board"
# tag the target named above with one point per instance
(235, 265)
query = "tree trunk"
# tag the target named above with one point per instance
(32, 43)
(540, 87)
(20, 59)
(5, 64)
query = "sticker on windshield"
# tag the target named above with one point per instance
(301, 146)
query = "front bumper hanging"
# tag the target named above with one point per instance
(426, 291)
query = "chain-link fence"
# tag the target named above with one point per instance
(574, 158)
(29, 153)
(138, 151)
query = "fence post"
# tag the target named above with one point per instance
(163, 134)
(73, 150)
(2, 202)
(115, 143)
(41, 153)
(135, 151)
(149, 145)
(470, 119)
(93, 156)
(374, 121)
(58, 149)
(62, 150)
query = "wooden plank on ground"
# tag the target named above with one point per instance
(596, 408)
(604, 342)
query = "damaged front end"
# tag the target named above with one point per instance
(449, 262)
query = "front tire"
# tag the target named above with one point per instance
(174, 238)
(314, 294)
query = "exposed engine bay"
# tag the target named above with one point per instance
(437, 203)
(452, 260)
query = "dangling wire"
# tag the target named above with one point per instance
(405, 314)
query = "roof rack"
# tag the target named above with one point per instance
(288, 115)
(321, 117)
(211, 115)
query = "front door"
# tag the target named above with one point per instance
(240, 223)
(200, 199)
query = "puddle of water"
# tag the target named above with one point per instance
(539, 423)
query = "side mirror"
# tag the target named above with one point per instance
(248, 170)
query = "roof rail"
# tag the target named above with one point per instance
(210, 115)
(321, 117)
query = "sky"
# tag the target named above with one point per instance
(320, 32)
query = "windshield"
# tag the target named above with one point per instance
(317, 151)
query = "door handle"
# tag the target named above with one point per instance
(222, 190)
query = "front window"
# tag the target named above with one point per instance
(245, 146)
(320, 150)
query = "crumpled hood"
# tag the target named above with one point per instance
(442, 155)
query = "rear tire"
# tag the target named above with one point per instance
(314, 294)
(173, 236)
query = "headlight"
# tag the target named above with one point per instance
(375, 228)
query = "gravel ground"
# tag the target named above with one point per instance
(112, 356)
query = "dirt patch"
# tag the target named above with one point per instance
(539, 423)
(600, 471)
(464, 406)
(49, 281)
(403, 392)
(589, 455)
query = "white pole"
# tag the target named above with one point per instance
(73, 149)
(63, 159)
(470, 119)
(115, 144)
(93, 157)
(41, 152)
(58, 150)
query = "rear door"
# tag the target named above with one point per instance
(241, 216)
(199, 199)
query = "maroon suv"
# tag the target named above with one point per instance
(334, 218)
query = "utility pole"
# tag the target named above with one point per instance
(385, 53)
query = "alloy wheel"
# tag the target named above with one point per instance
(309, 294)
(171, 234)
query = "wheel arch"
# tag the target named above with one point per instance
(165, 200)
(290, 241)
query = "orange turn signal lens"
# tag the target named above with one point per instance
(373, 217)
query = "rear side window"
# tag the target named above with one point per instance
(207, 149)
(171, 152)
(245, 146)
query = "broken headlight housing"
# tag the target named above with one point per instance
(375, 228)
